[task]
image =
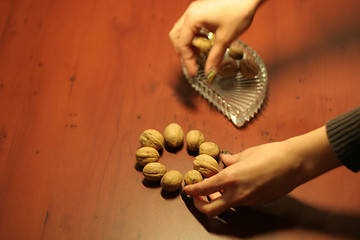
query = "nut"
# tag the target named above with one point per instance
(228, 68)
(249, 68)
(212, 38)
(203, 44)
(192, 176)
(154, 171)
(152, 138)
(193, 139)
(209, 148)
(147, 155)
(174, 135)
(206, 165)
(171, 181)
(236, 52)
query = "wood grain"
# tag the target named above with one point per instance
(80, 80)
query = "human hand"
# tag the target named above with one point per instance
(264, 173)
(252, 177)
(226, 18)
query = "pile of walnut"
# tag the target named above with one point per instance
(231, 65)
(152, 141)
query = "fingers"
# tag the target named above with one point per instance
(215, 183)
(187, 34)
(214, 196)
(212, 187)
(184, 31)
(208, 186)
(175, 33)
(228, 159)
(181, 37)
(217, 52)
(211, 208)
(214, 59)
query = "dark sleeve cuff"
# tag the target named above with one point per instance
(344, 136)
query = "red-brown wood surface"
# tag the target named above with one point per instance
(80, 81)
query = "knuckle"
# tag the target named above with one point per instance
(231, 177)
(192, 11)
(171, 33)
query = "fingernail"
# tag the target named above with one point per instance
(184, 194)
(211, 75)
(225, 152)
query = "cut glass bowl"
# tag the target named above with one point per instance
(237, 98)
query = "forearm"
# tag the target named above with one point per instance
(313, 155)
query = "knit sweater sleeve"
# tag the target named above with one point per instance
(344, 136)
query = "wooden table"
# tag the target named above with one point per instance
(80, 81)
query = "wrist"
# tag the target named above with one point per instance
(312, 155)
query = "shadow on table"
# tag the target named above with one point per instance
(184, 92)
(285, 213)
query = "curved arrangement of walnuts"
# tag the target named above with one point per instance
(152, 141)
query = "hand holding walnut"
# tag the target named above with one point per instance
(226, 18)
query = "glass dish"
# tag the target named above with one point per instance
(237, 98)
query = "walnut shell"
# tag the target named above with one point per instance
(192, 176)
(206, 165)
(203, 44)
(236, 52)
(147, 155)
(174, 135)
(193, 139)
(171, 181)
(209, 148)
(249, 68)
(154, 171)
(228, 68)
(152, 138)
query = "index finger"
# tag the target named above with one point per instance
(207, 186)
(175, 33)
(187, 34)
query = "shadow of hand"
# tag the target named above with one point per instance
(184, 92)
(285, 213)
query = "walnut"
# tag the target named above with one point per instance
(249, 68)
(171, 181)
(152, 138)
(209, 148)
(154, 171)
(147, 155)
(236, 52)
(228, 68)
(203, 44)
(193, 139)
(192, 176)
(206, 165)
(174, 135)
